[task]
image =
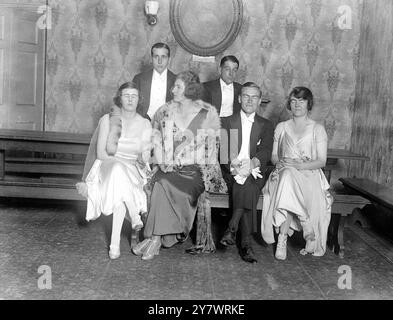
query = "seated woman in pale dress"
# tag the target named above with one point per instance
(185, 133)
(296, 196)
(114, 184)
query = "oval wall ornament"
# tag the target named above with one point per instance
(205, 27)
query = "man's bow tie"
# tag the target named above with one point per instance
(249, 118)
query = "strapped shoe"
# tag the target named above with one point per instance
(194, 250)
(141, 247)
(281, 250)
(181, 237)
(152, 250)
(114, 252)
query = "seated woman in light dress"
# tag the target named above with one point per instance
(296, 195)
(185, 133)
(121, 149)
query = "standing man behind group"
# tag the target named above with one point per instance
(155, 85)
(223, 92)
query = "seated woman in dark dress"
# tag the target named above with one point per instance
(185, 131)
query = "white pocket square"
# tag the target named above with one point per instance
(259, 142)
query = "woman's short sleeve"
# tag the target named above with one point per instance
(320, 133)
(147, 124)
(147, 130)
(278, 131)
(103, 122)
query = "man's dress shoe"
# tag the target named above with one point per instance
(248, 255)
(229, 238)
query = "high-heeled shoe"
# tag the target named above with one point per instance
(181, 237)
(141, 247)
(136, 222)
(281, 250)
(152, 250)
(194, 250)
(114, 252)
(309, 248)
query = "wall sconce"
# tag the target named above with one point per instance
(151, 9)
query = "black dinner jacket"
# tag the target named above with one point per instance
(143, 83)
(213, 94)
(261, 140)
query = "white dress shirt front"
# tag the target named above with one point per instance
(227, 95)
(157, 92)
(246, 134)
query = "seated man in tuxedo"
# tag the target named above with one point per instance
(223, 92)
(155, 85)
(248, 141)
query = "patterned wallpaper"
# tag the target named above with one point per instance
(95, 45)
(372, 132)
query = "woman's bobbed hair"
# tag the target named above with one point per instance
(301, 93)
(126, 85)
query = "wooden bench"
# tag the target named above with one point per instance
(343, 206)
(380, 196)
(333, 155)
(55, 178)
(370, 190)
(41, 177)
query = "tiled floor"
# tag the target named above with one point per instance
(51, 235)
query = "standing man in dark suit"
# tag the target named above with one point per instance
(249, 143)
(223, 92)
(155, 85)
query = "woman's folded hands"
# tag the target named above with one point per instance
(291, 162)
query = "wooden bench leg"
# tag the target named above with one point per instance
(2, 164)
(357, 216)
(341, 228)
(332, 239)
